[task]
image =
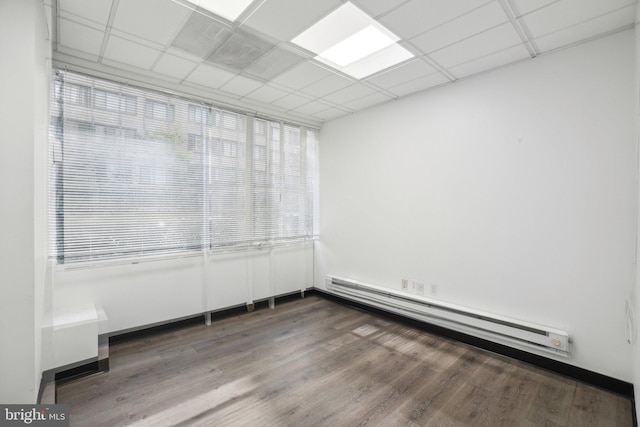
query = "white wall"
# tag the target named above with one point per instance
(513, 192)
(24, 45)
(635, 300)
(135, 295)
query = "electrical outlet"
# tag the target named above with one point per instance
(434, 289)
(416, 287)
(405, 285)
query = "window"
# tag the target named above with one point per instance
(227, 207)
(159, 111)
(78, 94)
(113, 101)
(194, 142)
(284, 189)
(230, 148)
(197, 114)
(259, 153)
(124, 186)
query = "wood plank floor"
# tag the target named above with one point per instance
(314, 362)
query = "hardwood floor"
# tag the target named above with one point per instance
(316, 362)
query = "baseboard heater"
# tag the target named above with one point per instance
(473, 322)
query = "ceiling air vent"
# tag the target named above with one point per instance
(240, 50)
(274, 63)
(201, 34)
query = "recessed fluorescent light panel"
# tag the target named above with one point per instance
(351, 41)
(229, 9)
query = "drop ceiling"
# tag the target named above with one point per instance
(251, 63)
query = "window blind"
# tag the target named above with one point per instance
(138, 173)
(228, 180)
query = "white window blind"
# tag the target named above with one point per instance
(227, 189)
(137, 173)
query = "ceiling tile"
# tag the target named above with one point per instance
(94, 10)
(567, 13)
(240, 50)
(593, 27)
(77, 53)
(467, 25)
(327, 85)
(334, 28)
(312, 107)
(136, 39)
(330, 113)
(302, 75)
(417, 85)
(402, 74)
(291, 101)
(201, 34)
(80, 37)
(174, 66)
(418, 16)
(267, 94)
(522, 7)
(349, 93)
(241, 85)
(184, 55)
(210, 76)
(128, 52)
(284, 19)
(160, 26)
(367, 101)
(497, 59)
(386, 58)
(375, 8)
(274, 63)
(69, 17)
(229, 10)
(490, 41)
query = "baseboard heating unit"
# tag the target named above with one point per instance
(473, 322)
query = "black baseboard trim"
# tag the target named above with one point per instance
(198, 319)
(48, 377)
(79, 370)
(593, 378)
(118, 337)
(73, 371)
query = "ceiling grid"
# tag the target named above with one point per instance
(520, 27)
(250, 57)
(107, 30)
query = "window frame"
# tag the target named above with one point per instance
(234, 166)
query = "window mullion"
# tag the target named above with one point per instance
(206, 178)
(302, 186)
(249, 214)
(271, 189)
(281, 173)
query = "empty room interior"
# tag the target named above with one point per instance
(321, 212)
